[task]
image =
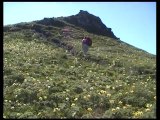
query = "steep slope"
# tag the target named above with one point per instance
(46, 75)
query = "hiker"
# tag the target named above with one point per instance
(86, 43)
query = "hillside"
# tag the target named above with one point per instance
(46, 76)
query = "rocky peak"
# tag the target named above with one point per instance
(91, 23)
(83, 12)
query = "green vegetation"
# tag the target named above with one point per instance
(42, 80)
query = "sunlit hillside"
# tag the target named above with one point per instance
(46, 75)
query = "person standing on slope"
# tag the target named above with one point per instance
(86, 43)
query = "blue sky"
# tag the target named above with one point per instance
(132, 22)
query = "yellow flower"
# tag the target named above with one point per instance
(40, 98)
(147, 110)
(14, 83)
(72, 104)
(131, 91)
(120, 102)
(67, 98)
(56, 109)
(64, 81)
(133, 86)
(84, 97)
(87, 81)
(88, 96)
(111, 101)
(155, 97)
(72, 66)
(107, 86)
(19, 104)
(18, 114)
(40, 90)
(45, 97)
(89, 109)
(103, 92)
(75, 99)
(108, 95)
(25, 80)
(91, 88)
(39, 113)
(126, 92)
(148, 105)
(117, 108)
(138, 113)
(127, 105)
(67, 90)
(102, 73)
(113, 109)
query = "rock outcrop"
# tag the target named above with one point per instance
(91, 23)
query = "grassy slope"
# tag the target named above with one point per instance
(45, 81)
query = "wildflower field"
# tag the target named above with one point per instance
(42, 80)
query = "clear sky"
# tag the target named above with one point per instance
(133, 22)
